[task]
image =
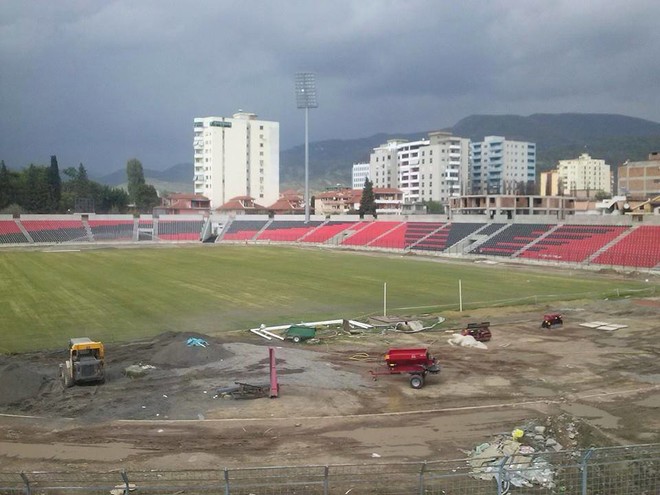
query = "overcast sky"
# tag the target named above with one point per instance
(100, 82)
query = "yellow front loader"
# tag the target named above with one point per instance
(86, 363)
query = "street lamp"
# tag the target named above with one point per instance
(306, 98)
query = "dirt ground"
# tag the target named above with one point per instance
(330, 409)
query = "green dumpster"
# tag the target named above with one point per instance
(298, 333)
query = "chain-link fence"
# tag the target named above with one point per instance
(602, 471)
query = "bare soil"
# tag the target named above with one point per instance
(330, 409)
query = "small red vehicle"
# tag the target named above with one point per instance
(416, 362)
(552, 319)
(480, 331)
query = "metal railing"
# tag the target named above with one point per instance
(600, 471)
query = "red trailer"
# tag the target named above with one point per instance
(415, 362)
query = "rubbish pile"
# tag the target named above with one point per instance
(466, 341)
(522, 459)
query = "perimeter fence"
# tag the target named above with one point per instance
(600, 471)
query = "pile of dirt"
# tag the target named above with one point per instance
(176, 353)
(19, 382)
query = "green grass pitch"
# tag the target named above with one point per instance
(121, 294)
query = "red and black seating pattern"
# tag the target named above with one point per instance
(10, 233)
(573, 243)
(243, 230)
(287, 230)
(512, 239)
(56, 230)
(180, 230)
(640, 248)
(112, 230)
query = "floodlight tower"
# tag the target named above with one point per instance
(306, 98)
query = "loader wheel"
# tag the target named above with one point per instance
(417, 381)
(67, 382)
(296, 339)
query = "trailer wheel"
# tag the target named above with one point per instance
(417, 381)
(296, 339)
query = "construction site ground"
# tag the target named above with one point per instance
(330, 409)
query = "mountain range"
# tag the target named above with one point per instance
(614, 138)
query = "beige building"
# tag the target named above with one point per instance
(584, 176)
(433, 169)
(237, 156)
(388, 201)
(640, 180)
(550, 183)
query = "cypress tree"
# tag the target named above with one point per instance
(54, 184)
(368, 201)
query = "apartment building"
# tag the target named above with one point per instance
(360, 174)
(432, 169)
(501, 166)
(640, 180)
(582, 177)
(237, 156)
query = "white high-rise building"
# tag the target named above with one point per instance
(360, 174)
(501, 166)
(237, 156)
(432, 169)
(584, 176)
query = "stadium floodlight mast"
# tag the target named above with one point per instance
(306, 98)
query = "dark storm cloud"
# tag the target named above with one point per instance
(101, 82)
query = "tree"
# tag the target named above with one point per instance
(146, 198)
(434, 207)
(54, 184)
(36, 193)
(5, 185)
(135, 175)
(368, 201)
(601, 195)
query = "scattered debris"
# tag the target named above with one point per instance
(138, 370)
(121, 489)
(601, 325)
(466, 341)
(196, 342)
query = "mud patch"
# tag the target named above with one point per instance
(19, 382)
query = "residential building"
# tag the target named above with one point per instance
(640, 180)
(388, 201)
(360, 174)
(237, 156)
(502, 166)
(582, 177)
(550, 183)
(289, 203)
(433, 169)
(183, 203)
(242, 205)
(507, 207)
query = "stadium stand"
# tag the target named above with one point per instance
(112, 230)
(10, 233)
(447, 237)
(180, 230)
(394, 239)
(417, 231)
(287, 230)
(491, 228)
(640, 248)
(366, 235)
(573, 243)
(512, 239)
(56, 230)
(243, 230)
(328, 231)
